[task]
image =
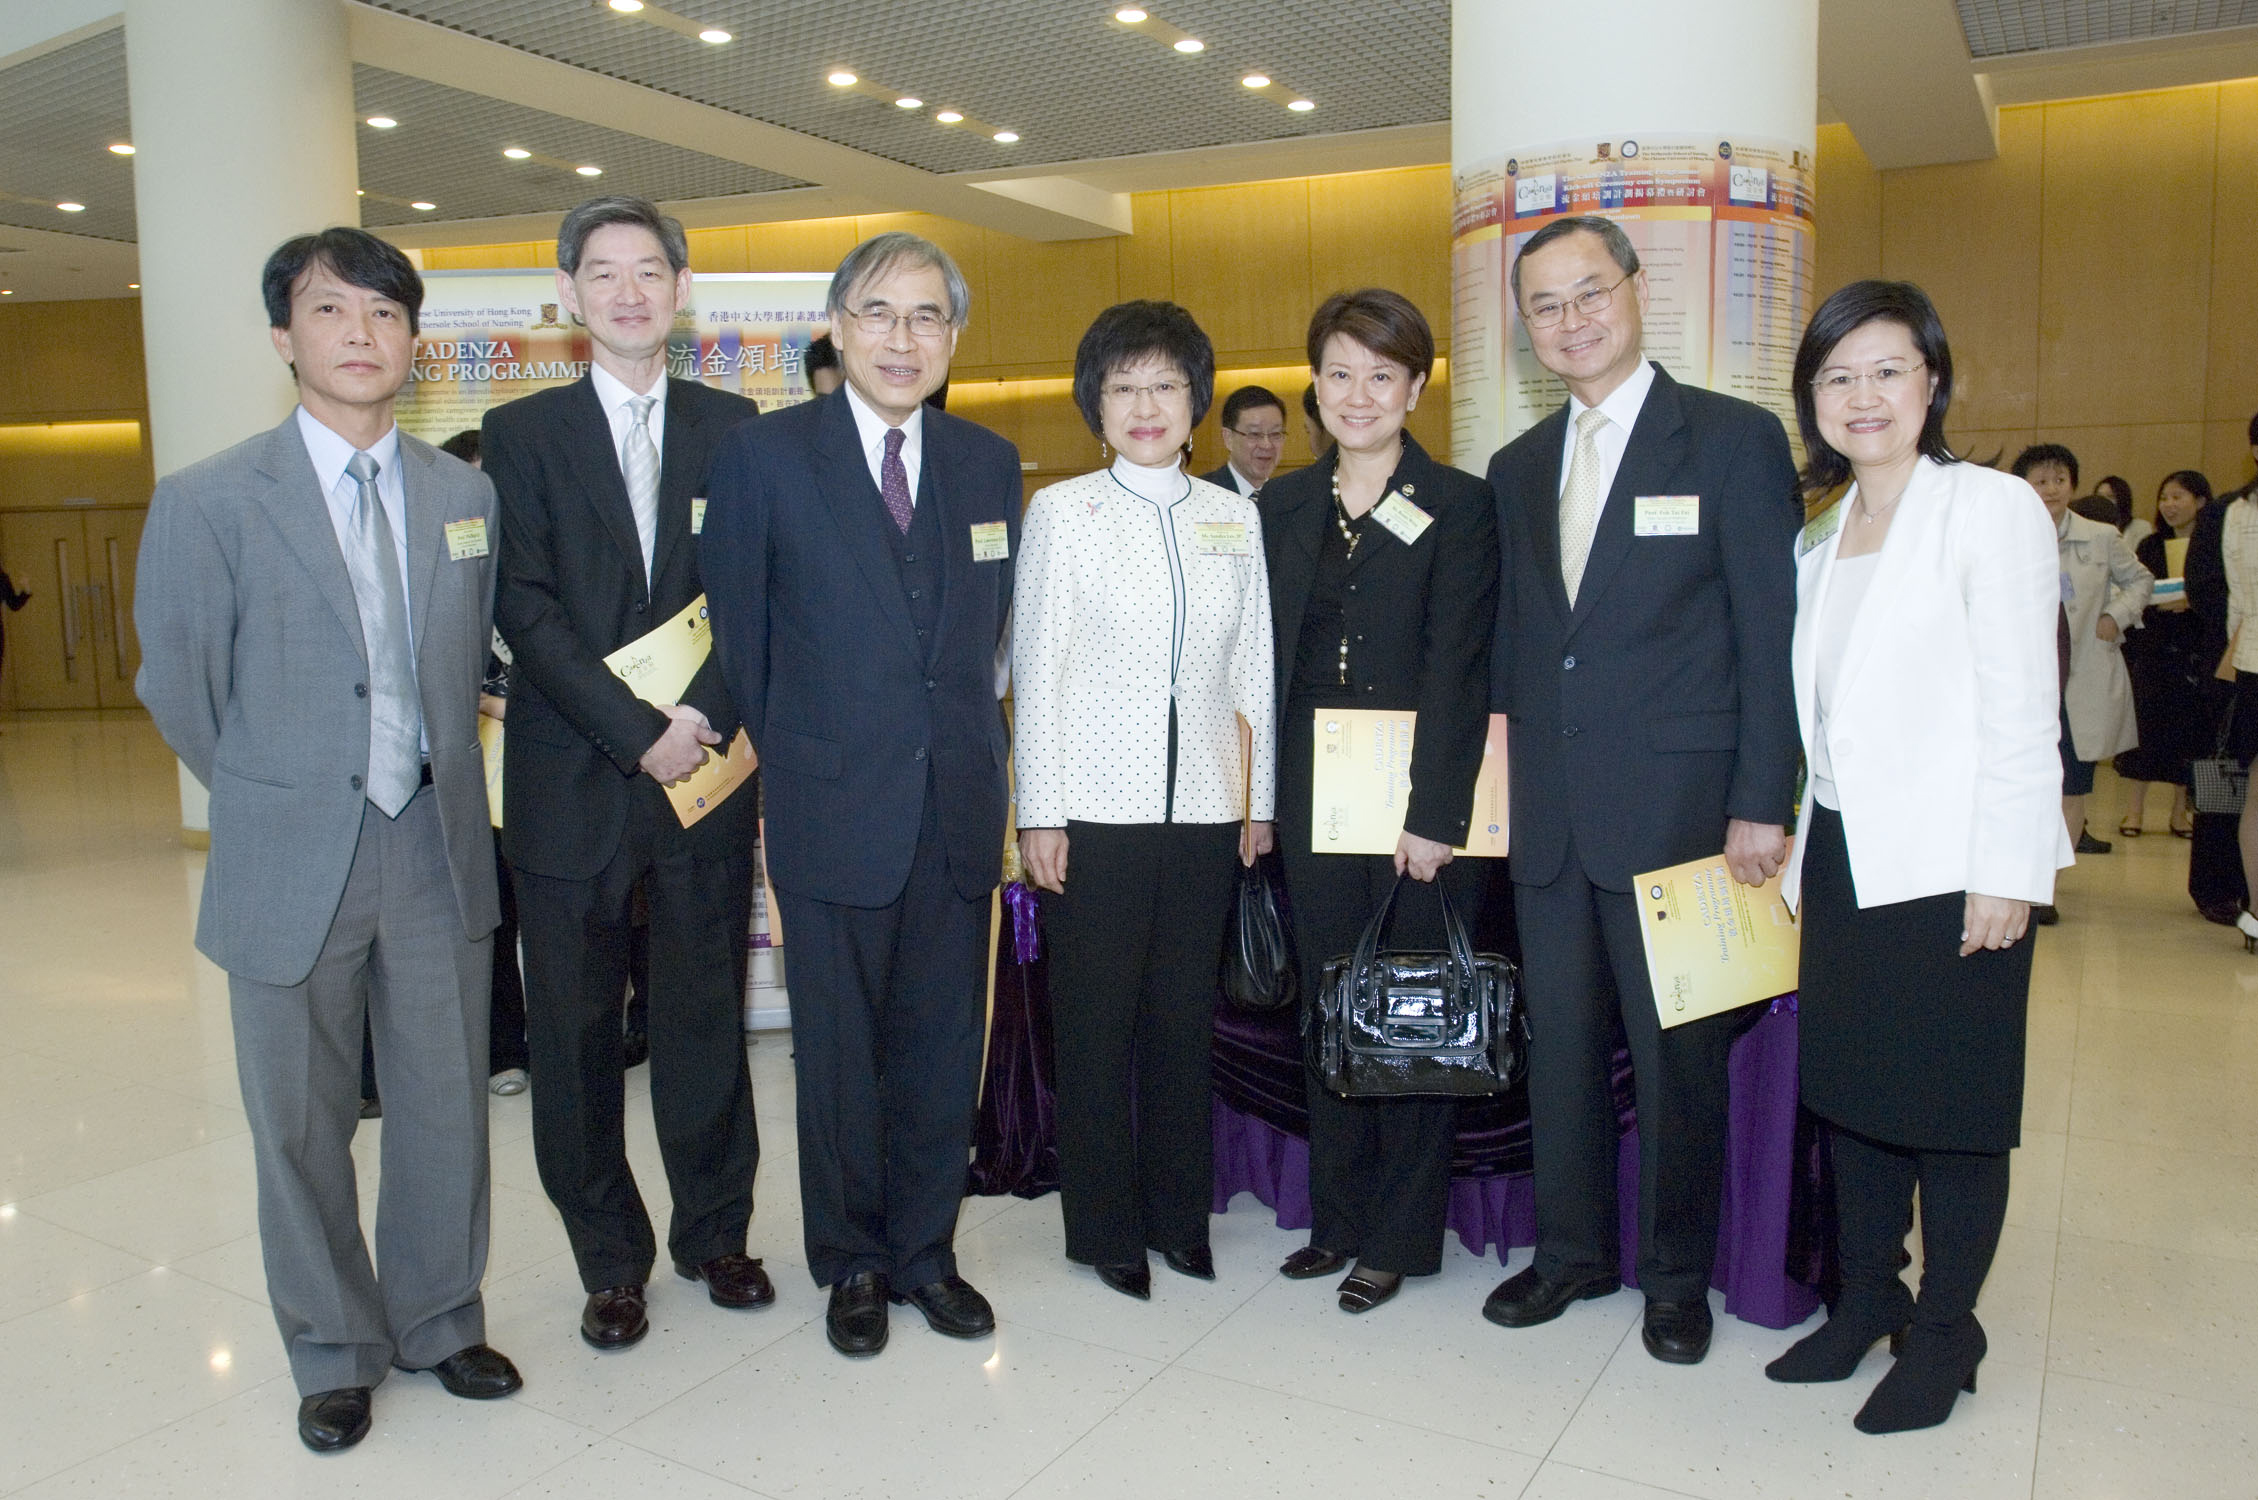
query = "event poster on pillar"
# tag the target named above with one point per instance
(492, 336)
(1724, 231)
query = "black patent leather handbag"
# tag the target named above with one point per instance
(1385, 1022)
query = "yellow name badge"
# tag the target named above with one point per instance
(1666, 515)
(1221, 539)
(697, 515)
(466, 539)
(991, 541)
(1403, 518)
(1822, 526)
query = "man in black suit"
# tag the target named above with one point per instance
(1254, 435)
(1646, 608)
(858, 558)
(602, 485)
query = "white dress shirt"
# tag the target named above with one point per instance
(330, 454)
(1621, 407)
(1247, 487)
(614, 395)
(871, 429)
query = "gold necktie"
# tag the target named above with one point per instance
(1579, 501)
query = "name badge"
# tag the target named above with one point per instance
(466, 539)
(1400, 516)
(1666, 515)
(1823, 525)
(1221, 539)
(991, 542)
(697, 515)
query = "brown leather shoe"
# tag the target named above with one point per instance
(733, 1280)
(614, 1317)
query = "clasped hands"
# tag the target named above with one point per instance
(682, 748)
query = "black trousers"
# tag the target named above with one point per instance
(889, 1012)
(1585, 967)
(506, 1028)
(1963, 1206)
(1135, 941)
(1379, 1169)
(576, 957)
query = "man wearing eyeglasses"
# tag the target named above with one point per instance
(1254, 435)
(1642, 653)
(858, 557)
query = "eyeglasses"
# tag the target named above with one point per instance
(1270, 435)
(1884, 379)
(1122, 393)
(1591, 304)
(879, 322)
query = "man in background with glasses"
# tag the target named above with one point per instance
(1254, 435)
(858, 557)
(1648, 531)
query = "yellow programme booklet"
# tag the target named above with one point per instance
(658, 665)
(1360, 784)
(490, 750)
(1713, 944)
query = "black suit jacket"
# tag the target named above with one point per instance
(854, 716)
(571, 590)
(1662, 704)
(1420, 617)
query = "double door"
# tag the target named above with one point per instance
(73, 645)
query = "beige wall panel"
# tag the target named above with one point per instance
(518, 255)
(1969, 235)
(2231, 384)
(967, 246)
(1850, 213)
(2143, 454)
(43, 466)
(994, 404)
(1242, 263)
(803, 245)
(74, 357)
(719, 249)
(1388, 229)
(2226, 455)
(1043, 296)
(1052, 434)
(1145, 256)
(2125, 286)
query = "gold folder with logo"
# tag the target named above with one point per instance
(1360, 784)
(658, 665)
(490, 740)
(1713, 944)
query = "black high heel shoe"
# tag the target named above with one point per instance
(1834, 1349)
(1936, 1365)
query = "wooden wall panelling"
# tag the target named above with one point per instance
(1969, 234)
(74, 358)
(1042, 296)
(1993, 445)
(516, 256)
(967, 246)
(51, 465)
(719, 249)
(2125, 285)
(1052, 433)
(1145, 257)
(2227, 461)
(804, 245)
(1850, 214)
(2231, 381)
(2142, 454)
(1242, 263)
(1388, 229)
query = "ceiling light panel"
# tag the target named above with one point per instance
(2003, 28)
(59, 115)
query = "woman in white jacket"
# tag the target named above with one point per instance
(1140, 637)
(1925, 673)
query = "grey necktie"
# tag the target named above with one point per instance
(639, 463)
(1579, 501)
(395, 726)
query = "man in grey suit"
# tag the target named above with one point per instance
(314, 611)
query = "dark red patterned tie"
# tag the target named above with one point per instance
(893, 480)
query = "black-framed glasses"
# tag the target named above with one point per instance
(1271, 435)
(1591, 304)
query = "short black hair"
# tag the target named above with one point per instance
(822, 354)
(1129, 331)
(1847, 311)
(1382, 322)
(2191, 480)
(359, 259)
(1609, 233)
(618, 208)
(2044, 453)
(1245, 399)
(463, 445)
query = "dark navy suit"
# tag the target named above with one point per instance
(864, 663)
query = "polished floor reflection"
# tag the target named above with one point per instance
(137, 1356)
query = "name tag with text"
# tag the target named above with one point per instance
(991, 541)
(1666, 515)
(466, 539)
(1221, 539)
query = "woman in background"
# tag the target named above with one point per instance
(2174, 653)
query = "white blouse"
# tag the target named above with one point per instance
(1133, 587)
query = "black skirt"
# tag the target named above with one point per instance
(1902, 1039)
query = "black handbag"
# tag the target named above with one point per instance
(1258, 962)
(2218, 783)
(1386, 1022)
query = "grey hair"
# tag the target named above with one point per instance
(597, 213)
(882, 253)
(1610, 234)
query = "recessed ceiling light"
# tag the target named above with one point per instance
(516, 153)
(133, 286)
(1302, 106)
(1006, 137)
(422, 207)
(7, 291)
(715, 35)
(1129, 15)
(909, 101)
(360, 192)
(949, 117)
(72, 208)
(1191, 44)
(843, 79)
(1255, 81)
(627, 7)
(381, 122)
(121, 149)
(589, 171)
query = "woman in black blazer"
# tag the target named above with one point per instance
(1383, 594)
(2174, 653)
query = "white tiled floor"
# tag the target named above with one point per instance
(137, 1356)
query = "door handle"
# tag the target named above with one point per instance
(117, 611)
(69, 597)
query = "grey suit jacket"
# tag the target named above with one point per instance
(253, 668)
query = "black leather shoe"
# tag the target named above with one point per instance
(1198, 1262)
(2088, 844)
(1365, 1290)
(1527, 1299)
(856, 1322)
(733, 1280)
(477, 1373)
(330, 1421)
(1677, 1333)
(1309, 1262)
(951, 1306)
(614, 1317)
(1132, 1280)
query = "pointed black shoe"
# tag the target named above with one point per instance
(1934, 1367)
(331, 1421)
(1134, 1279)
(1833, 1350)
(1198, 1262)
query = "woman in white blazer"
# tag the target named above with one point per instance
(1140, 637)
(1925, 674)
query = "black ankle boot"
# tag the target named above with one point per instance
(1833, 1350)
(1935, 1366)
